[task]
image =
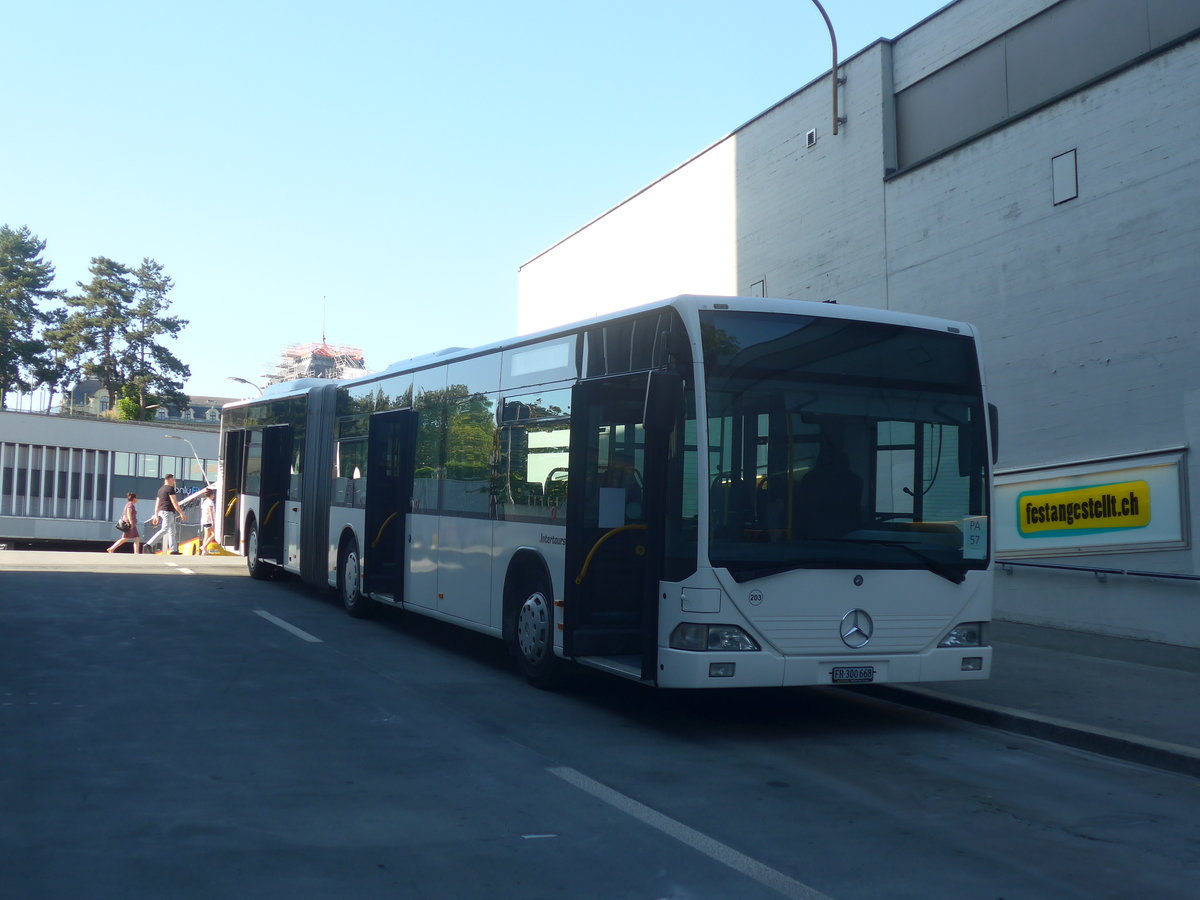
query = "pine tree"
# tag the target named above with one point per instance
(61, 364)
(25, 280)
(98, 322)
(154, 372)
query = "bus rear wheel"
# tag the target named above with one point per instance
(349, 580)
(254, 564)
(534, 637)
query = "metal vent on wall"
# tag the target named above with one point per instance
(810, 138)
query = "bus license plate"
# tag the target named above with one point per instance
(853, 674)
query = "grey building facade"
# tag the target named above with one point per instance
(1032, 167)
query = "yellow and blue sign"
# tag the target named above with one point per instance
(1091, 509)
(1097, 506)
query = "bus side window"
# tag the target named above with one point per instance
(350, 476)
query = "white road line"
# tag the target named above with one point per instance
(711, 848)
(175, 565)
(287, 626)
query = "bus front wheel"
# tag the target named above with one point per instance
(535, 637)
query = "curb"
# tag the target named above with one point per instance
(1130, 748)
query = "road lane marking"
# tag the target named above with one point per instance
(288, 626)
(711, 848)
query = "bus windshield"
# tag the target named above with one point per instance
(835, 443)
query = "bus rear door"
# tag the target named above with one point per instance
(273, 491)
(234, 455)
(391, 440)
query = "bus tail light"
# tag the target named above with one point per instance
(966, 634)
(724, 638)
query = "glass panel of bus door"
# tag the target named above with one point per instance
(273, 493)
(391, 439)
(613, 564)
(233, 453)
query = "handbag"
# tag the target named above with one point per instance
(122, 525)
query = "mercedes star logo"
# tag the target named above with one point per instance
(857, 628)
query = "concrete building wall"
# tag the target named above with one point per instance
(1088, 308)
(1066, 230)
(955, 31)
(808, 221)
(676, 236)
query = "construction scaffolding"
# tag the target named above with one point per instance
(318, 360)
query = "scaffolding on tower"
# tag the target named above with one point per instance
(318, 360)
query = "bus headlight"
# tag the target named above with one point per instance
(966, 634)
(724, 638)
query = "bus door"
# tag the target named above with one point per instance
(234, 455)
(391, 442)
(614, 555)
(273, 491)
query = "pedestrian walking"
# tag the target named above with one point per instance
(208, 517)
(169, 513)
(130, 516)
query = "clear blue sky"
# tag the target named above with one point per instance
(378, 170)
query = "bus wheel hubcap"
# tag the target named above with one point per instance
(533, 627)
(350, 579)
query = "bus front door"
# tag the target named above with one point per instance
(613, 561)
(391, 443)
(273, 491)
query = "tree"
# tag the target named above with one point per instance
(114, 328)
(61, 365)
(153, 372)
(100, 317)
(25, 280)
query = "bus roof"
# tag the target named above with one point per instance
(826, 308)
(684, 303)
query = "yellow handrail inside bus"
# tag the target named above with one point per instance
(232, 503)
(270, 512)
(596, 546)
(379, 534)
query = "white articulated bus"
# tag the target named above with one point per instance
(703, 492)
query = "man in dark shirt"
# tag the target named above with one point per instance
(167, 511)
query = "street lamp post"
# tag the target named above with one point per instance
(244, 381)
(834, 74)
(195, 456)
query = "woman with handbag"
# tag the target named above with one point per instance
(129, 518)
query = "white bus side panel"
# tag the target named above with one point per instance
(421, 562)
(293, 513)
(464, 568)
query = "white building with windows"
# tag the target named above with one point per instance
(1032, 167)
(65, 478)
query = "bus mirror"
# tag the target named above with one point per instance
(664, 397)
(994, 422)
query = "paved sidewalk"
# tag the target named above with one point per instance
(1133, 700)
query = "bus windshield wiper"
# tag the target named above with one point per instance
(955, 574)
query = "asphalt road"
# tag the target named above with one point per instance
(170, 728)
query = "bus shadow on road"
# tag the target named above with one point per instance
(759, 713)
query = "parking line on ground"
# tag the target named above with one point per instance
(288, 626)
(763, 874)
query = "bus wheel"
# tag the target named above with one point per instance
(535, 638)
(254, 565)
(349, 579)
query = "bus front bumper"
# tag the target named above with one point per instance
(689, 669)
